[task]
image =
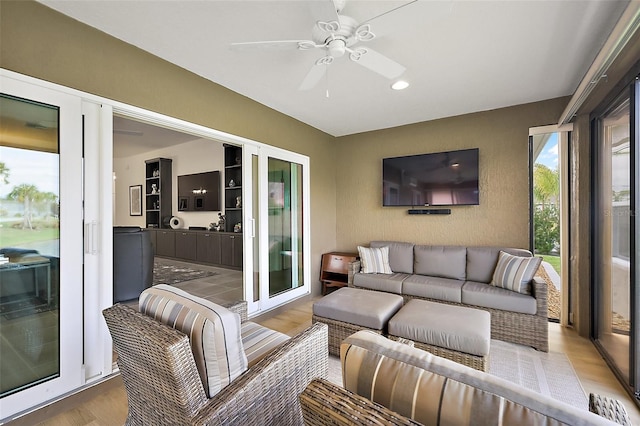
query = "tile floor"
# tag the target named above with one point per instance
(223, 287)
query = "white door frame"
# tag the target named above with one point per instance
(267, 302)
(71, 243)
(563, 155)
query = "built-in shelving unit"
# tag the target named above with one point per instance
(232, 186)
(157, 191)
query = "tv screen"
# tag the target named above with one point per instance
(438, 179)
(199, 192)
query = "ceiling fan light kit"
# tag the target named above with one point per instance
(337, 37)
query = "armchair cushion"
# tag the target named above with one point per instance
(214, 332)
(258, 341)
(434, 390)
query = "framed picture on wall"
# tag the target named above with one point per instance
(135, 200)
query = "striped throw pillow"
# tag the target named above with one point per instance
(515, 272)
(214, 332)
(375, 260)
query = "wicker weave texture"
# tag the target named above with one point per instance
(163, 385)
(338, 331)
(324, 403)
(609, 408)
(474, 361)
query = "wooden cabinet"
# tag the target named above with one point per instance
(232, 186)
(158, 182)
(166, 243)
(335, 269)
(186, 245)
(213, 248)
(231, 250)
(208, 248)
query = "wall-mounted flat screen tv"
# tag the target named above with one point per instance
(199, 192)
(437, 179)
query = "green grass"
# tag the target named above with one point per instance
(10, 236)
(553, 261)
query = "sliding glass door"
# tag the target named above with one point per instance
(41, 245)
(284, 218)
(616, 234)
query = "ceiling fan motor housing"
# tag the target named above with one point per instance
(338, 40)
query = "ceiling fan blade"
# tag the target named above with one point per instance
(376, 62)
(324, 10)
(273, 45)
(316, 73)
(389, 11)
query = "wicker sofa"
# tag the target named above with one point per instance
(461, 276)
(164, 383)
(391, 383)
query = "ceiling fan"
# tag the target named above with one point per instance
(338, 35)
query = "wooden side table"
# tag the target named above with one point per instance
(334, 269)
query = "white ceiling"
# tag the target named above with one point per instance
(461, 56)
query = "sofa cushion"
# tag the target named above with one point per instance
(400, 255)
(515, 272)
(214, 332)
(481, 261)
(488, 296)
(381, 282)
(440, 261)
(436, 391)
(424, 286)
(374, 260)
(258, 341)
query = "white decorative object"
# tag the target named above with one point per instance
(176, 222)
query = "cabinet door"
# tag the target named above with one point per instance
(208, 248)
(186, 245)
(166, 243)
(236, 249)
(231, 250)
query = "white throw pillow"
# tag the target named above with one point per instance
(515, 272)
(374, 260)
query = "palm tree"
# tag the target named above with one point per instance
(27, 194)
(4, 173)
(546, 184)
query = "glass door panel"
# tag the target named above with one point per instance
(285, 226)
(614, 237)
(40, 245)
(284, 261)
(30, 244)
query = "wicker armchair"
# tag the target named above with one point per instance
(163, 385)
(324, 404)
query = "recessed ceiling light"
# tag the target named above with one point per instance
(400, 85)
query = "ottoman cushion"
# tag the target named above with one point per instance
(368, 309)
(457, 328)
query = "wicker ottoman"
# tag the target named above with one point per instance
(348, 310)
(458, 333)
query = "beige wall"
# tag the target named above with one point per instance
(197, 156)
(45, 44)
(502, 218)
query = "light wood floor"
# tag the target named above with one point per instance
(107, 405)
